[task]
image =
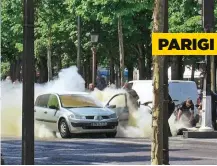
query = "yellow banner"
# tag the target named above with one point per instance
(184, 43)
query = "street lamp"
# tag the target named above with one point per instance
(207, 100)
(94, 37)
(94, 40)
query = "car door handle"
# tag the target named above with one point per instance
(45, 112)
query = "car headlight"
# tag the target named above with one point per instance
(72, 116)
(79, 117)
(113, 115)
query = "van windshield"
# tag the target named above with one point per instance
(183, 90)
(78, 101)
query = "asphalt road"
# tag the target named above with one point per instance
(125, 151)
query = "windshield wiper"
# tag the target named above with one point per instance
(92, 106)
(71, 107)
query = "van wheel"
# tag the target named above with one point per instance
(111, 135)
(64, 129)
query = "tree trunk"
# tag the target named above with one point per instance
(17, 70)
(90, 69)
(130, 73)
(117, 78)
(112, 72)
(141, 62)
(79, 45)
(12, 71)
(49, 62)
(148, 58)
(84, 72)
(148, 66)
(59, 64)
(121, 50)
(192, 72)
(157, 115)
(158, 99)
(43, 70)
(176, 68)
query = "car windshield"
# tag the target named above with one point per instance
(78, 101)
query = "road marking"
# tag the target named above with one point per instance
(36, 158)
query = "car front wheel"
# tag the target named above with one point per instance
(111, 135)
(64, 129)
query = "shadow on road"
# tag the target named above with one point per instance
(83, 152)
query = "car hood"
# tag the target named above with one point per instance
(91, 111)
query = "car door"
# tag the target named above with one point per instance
(118, 103)
(51, 117)
(41, 108)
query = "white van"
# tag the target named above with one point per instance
(178, 89)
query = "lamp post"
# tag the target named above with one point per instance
(28, 85)
(207, 100)
(79, 46)
(94, 40)
(208, 24)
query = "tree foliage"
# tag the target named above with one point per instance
(56, 25)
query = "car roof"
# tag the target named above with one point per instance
(72, 93)
(65, 93)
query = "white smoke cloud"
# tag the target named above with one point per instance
(69, 80)
(11, 101)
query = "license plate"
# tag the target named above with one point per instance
(99, 124)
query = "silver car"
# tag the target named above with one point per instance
(70, 113)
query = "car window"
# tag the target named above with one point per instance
(42, 101)
(118, 100)
(53, 101)
(70, 101)
(37, 101)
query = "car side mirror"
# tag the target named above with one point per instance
(147, 103)
(53, 107)
(111, 106)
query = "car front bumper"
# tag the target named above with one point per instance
(86, 126)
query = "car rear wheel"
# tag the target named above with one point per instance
(64, 129)
(111, 135)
